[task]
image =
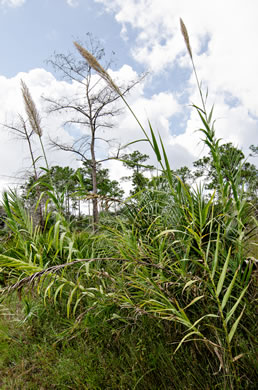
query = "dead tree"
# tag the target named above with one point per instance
(93, 107)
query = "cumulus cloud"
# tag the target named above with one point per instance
(223, 44)
(14, 154)
(158, 108)
(224, 49)
(12, 3)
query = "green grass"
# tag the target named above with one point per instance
(105, 354)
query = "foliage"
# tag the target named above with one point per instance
(232, 161)
(106, 187)
(135, 161)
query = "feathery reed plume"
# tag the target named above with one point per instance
(31, 110)
(187, 42)
(186, 37)
(93, 63)
(33, 115)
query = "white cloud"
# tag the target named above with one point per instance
(228, 65)
(223, 43)
(12, 3)
(14, 154)
(224, 49)
(72, 3)
(158, 109)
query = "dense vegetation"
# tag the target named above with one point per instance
(159, 295)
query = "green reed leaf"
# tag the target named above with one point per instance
(185, 338)
(69, 302)
(223, 273)
(216, 255)
(232, 311)
(234, 327)
(155, 144)
(229, 289)
(168, 170)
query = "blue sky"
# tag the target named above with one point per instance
(145, 36)
(31, 32)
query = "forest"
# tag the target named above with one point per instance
(154, 290)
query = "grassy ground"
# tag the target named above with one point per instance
(40, 349)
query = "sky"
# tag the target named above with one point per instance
(141, 36)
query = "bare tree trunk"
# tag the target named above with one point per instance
(94, 182)
(89, 210)
(68, 203)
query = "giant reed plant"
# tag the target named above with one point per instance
(219, 260)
